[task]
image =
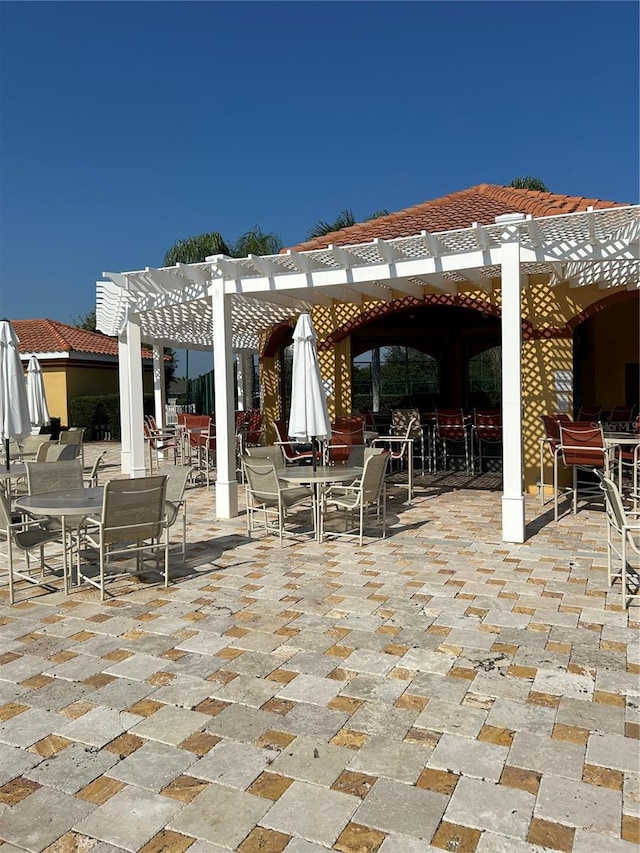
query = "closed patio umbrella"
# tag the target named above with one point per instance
(309, 416)
(38, 411)
(14, 406)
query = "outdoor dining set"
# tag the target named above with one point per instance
(334, 474)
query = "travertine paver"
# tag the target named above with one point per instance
(38, 821)
(438, 689)
(402, 809)
(129, 819)
(220, 813)
(485, 805)
(72, 768)
(170, 724)
(312, 761)
(233, 764)
(153, 766)
(576, 804)
(311, 812)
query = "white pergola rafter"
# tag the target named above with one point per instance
(228, 303)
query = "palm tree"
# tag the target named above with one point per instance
(345, 219)
(529, 183)
(193, 250)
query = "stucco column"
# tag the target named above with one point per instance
(226, 482)
(513, 524)
(131, 409)
(159, 394)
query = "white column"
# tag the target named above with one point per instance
(226, 482)
(123, 382)
(135, 408)
(240, 380)
(513, 524)
(158, 383)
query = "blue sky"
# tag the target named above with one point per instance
(126, 126)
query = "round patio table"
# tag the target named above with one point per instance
(67, 503)
(322, 475)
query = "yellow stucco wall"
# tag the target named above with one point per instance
(547, 363)
(63, 382)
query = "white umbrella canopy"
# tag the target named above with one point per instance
(309, 416)
(38, 410)
(15, 422)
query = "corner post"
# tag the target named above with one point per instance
(158, 383)
(226, 481)
(513, 520)
(132, 415)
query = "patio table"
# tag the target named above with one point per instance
(322, 476)
(67, 503)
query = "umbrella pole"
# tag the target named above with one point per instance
(6, 450)
(313, 452)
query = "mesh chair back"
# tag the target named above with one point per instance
(619, 414)
(488, 426)
(133, 510)
(253, 426)
(589, 414)
(32, 443)
(582, 445)
(450, 424)
(262, 478)
(177, 478)
(271, 453)
(71, 436)
(52, 452)
(375, 468)
(348, 438)
(54, 476)
(613, 502)
(290, 454)
(406, 422)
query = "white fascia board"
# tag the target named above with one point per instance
(46, 356)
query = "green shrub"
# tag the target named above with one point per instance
(100, 416)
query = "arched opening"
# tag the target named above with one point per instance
(606, 354)
(430, 356)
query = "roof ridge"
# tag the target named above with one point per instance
(480, 203)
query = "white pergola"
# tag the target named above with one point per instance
(224, 304)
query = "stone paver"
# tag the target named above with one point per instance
(438, 689)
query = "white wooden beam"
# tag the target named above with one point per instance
(387, 251)
(226, 267)
(165, 278)
(481, 236)
(535, 233)
(344, 257)
(373, 290)
(197, 275)
(303, 262)
(439, 282)
(118, 278)
(434, 246)
(408, 288)
(591, 225)
(479, 280)
(346, 294)
(264, 266)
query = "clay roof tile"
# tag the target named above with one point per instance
(49, 336)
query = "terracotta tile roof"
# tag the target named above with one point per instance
(458, 210)
(52, 336)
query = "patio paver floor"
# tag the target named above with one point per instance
(435, 690)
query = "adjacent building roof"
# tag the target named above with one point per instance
(50, 336)
(462, 209)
